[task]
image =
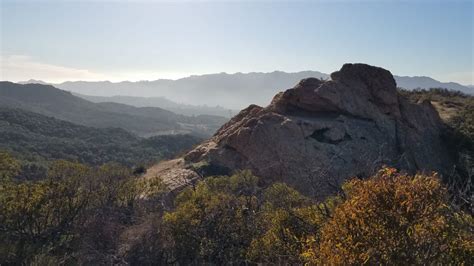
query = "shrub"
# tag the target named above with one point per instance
(215, 221)
(393, 218)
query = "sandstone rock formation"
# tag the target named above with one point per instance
(319, 133)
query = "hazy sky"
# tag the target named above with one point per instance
(133, 40)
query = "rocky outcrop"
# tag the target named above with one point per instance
(319, 133)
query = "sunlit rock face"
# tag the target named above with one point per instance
(322, 132)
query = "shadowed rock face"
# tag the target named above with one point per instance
(319, 133)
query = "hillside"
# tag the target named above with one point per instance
(39, 139)
(457, 111)
(50, 101)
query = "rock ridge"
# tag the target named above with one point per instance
(319, 133)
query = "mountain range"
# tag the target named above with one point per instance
(204, 94)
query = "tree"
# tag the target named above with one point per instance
(394, 218)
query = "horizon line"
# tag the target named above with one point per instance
(32, 80)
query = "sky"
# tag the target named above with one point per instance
(56, 41)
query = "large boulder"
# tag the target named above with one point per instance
(319, 133)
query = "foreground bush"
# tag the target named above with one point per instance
(215, 221)
(233, 219)
(78, 215)
(38, 216)
(75, 215)
(393, 218)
